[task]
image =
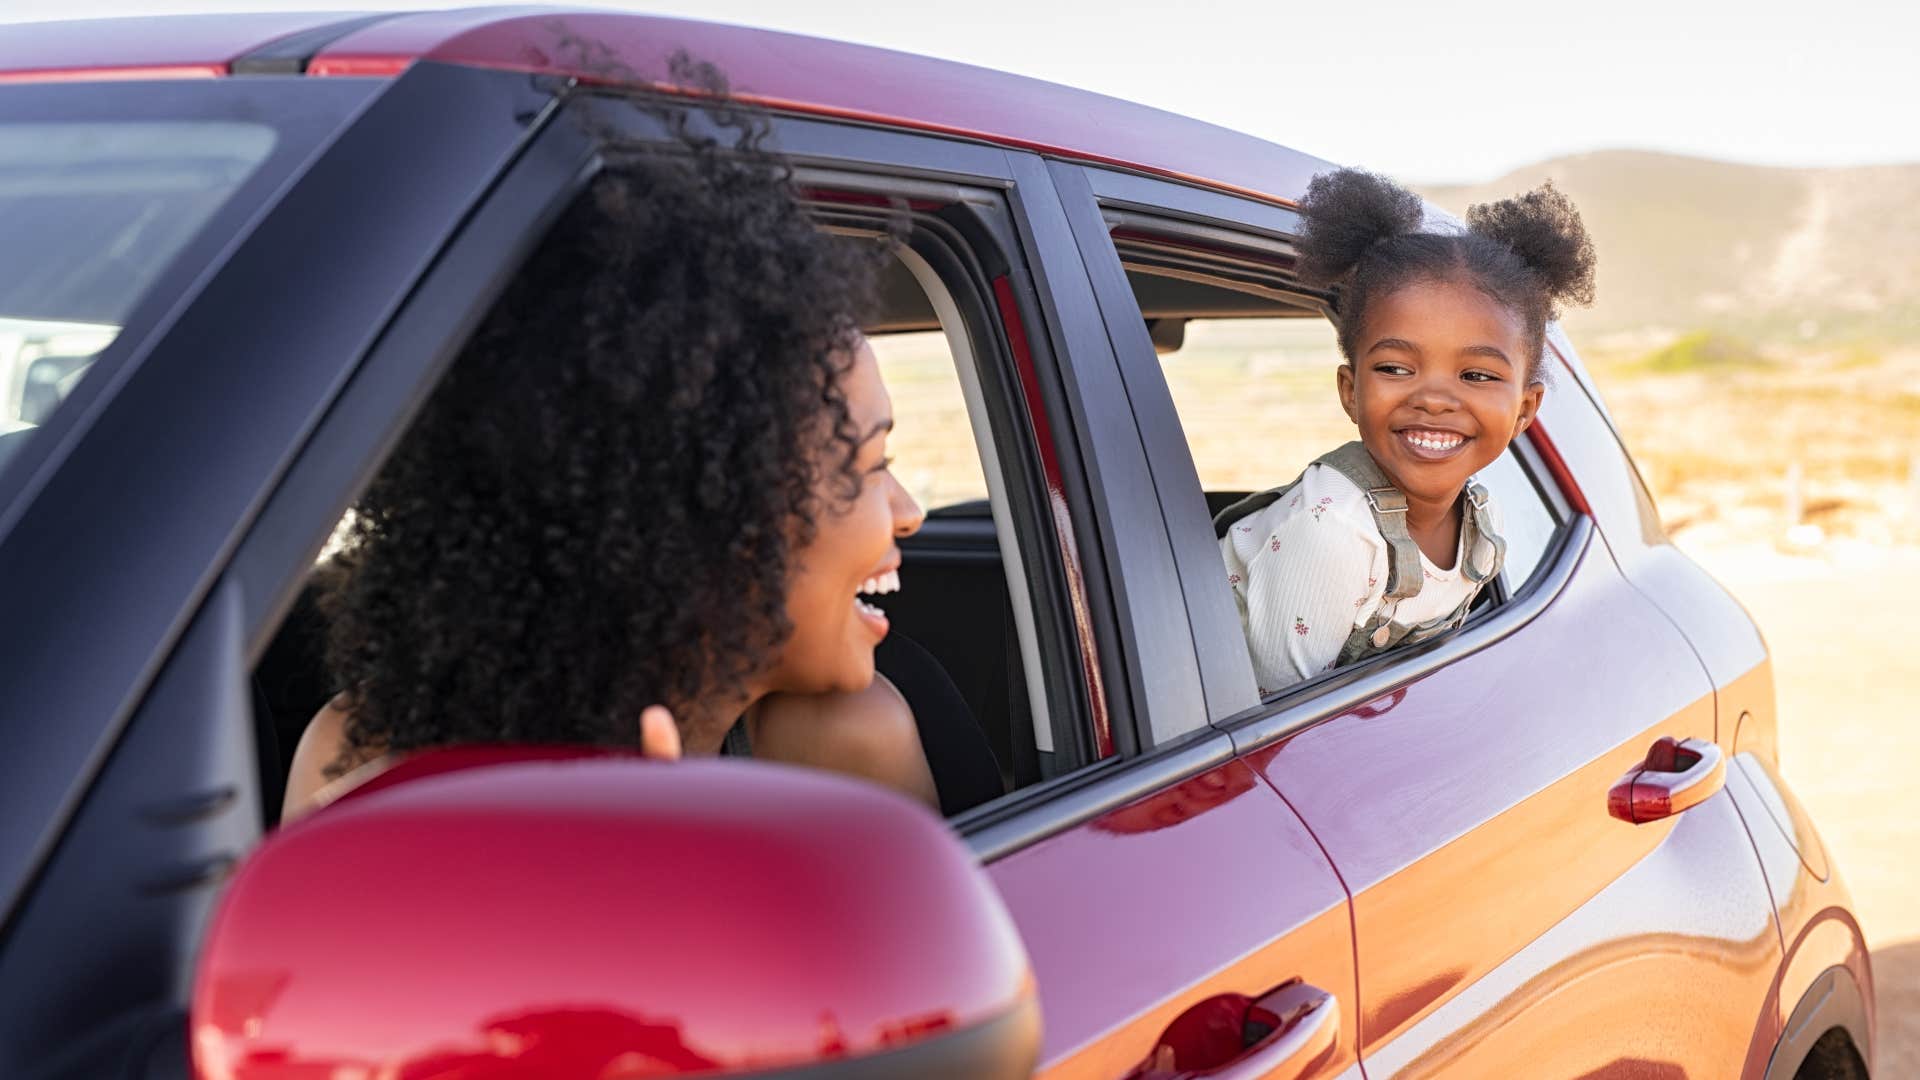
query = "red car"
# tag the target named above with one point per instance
(236, 251)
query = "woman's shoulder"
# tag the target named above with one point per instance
(312, 781)
(869, 733)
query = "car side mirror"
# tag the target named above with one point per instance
(564, 913)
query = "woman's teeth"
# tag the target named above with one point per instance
(882, 584)
(1433, 440)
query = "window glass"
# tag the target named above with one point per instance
(1256, 397)
(932, 441)
(90, 214)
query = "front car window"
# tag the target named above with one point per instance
(91, 213)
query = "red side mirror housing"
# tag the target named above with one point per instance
(511, 912)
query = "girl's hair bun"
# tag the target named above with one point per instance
(1345, 213)
(1544, 230)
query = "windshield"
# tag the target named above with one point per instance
(90, 214)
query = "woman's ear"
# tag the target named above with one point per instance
(1345, 379)
(1529, 406)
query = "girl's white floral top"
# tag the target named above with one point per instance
(1310, 568)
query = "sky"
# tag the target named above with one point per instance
(1428, 92)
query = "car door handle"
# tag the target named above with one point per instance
(1677, 774)
(1282, 1034)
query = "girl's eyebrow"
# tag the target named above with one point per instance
(1401, 344)
(1487, 350)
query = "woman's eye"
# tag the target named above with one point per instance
(886, 463)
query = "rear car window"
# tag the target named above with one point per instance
(91, 213)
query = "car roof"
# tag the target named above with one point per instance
(788, 72)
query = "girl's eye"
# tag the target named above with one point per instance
(1393, 369)
(1480, 376)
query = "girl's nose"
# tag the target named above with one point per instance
(1434, 394)
(907, 515)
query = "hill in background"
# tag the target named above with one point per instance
(1820, 256)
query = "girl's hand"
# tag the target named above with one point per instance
(659, 735)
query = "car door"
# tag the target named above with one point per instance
(1506, 923)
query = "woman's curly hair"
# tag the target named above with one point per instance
(1361, 235)
(597, 508)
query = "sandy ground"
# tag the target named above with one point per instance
(1847, 672)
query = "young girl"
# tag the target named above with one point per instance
(1387, 540)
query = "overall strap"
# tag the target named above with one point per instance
(1482, 551)
(1389, 508)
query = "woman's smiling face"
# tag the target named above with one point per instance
(1439, 385)
(852, 552)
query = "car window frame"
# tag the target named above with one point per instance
(1219, 216)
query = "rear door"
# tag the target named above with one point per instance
(1506, 923)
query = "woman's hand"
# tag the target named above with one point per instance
(659, 735)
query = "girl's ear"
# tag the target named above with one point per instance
(1529, 406)
(1345, 379)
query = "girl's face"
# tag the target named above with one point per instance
(852, 552)
(1438, 385)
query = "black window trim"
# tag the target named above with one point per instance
(1227, 685)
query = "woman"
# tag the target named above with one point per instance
(656, 476)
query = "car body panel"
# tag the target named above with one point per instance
(1814, 909)
(1641, 980)
(1474, 856)
(157, 47)
(1812, 904)
(1273, 911)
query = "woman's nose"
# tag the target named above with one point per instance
(907, 515)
